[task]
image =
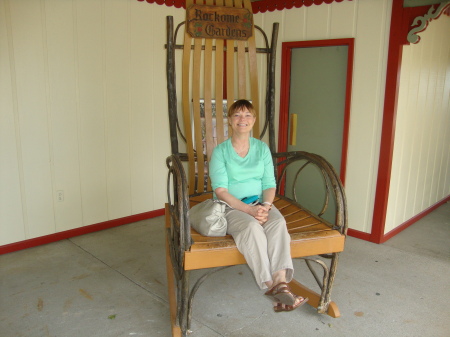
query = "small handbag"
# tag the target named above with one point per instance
(208, 218)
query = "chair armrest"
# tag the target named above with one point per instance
(332, 182)
(178, 200)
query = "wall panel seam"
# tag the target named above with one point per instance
(75, 38)
(130, 112)
(406, 159)
(12, 62)
(48, 107)
(439, 157)
(152, 114)
(355, 17)
(421, 136)
(105, 103)
(411, 156)
(430, 165)
(447, 132)
(329, 17)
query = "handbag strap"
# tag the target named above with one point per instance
(222, 202)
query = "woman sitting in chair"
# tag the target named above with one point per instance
(242, 175)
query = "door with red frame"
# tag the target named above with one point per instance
(314, 112)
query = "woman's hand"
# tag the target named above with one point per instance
(261, 213)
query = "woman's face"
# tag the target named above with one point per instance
(242, 121)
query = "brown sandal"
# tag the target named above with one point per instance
(282, 293)
(279, 306)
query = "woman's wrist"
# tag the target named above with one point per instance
(267, 204)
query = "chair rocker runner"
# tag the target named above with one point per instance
(215, 73)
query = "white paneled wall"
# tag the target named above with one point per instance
(421, 161)
(83, 110)
(368, 22)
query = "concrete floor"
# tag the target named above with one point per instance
(113, 283)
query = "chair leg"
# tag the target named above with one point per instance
(333, 268)
(314, 298)
(176, 331)
(321, 302)
(183, 313)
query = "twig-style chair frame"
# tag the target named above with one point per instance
(214, 73)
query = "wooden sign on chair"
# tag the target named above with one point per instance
(219, 22)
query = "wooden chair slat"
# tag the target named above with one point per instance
(198, 238)
(298, 215)
(201, 197)
(208, 98)
(253, 67)
(230, 73)
(288, 210)
(185, 87)
(309, 227)
(315, 235)
(242, 73)
(197, 119)
(204, 242)
(254, 84)
(281, 203)
(209, 140)
(220, 131)
(208, 242)
(303, 222)
(230, 65)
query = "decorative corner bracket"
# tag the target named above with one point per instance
(420, 23)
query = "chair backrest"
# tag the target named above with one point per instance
(214, 74)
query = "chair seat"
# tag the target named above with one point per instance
(310, 235)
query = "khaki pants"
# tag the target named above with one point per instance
(266, 247)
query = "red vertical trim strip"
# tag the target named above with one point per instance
(284, 103)
(388, 125)
(284, 95)
(348, 101)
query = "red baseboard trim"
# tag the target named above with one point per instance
(414, 219)
(372, 238)
(42, 240)
(359, 235)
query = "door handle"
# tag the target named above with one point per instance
(293, 131)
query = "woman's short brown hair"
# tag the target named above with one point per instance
(241, 105)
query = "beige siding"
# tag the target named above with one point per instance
(367, 22)
(83, 110)
(421, 161)
(13, 221)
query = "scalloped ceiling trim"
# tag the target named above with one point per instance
(257, 6)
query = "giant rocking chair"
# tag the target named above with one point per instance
(214, 73)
